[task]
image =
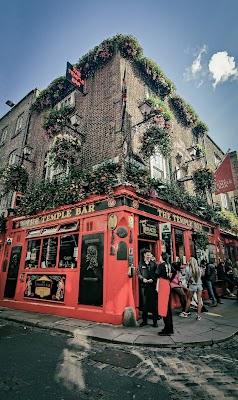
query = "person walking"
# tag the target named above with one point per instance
(164, 276)
(177, 286)
(193, 276)
(222, 275)
(147, 277)
(210, 279)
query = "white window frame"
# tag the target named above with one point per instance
(19, 123)
(12, 158)
(225, 201)
(217, 160)
(158, 167)
(67, 101)
(51, 172)
(3, 135)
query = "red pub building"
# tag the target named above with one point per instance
(77, 256)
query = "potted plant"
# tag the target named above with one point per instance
(203, 179)
(55, 121)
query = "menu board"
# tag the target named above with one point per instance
(49, 252)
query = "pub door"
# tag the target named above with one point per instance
(12, 272)
(91, 270)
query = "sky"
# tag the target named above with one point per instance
(194, 43)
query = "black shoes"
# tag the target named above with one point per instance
(143, 324)
(164, 333)
(155, 325)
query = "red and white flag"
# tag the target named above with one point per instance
(226, 175)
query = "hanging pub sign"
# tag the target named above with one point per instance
(148, 228)
(74, 76)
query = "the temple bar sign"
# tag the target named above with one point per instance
(148, 228)
(74, 76)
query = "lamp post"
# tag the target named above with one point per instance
(26, 152)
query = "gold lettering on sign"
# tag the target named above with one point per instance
(71, 212)
(178, 218)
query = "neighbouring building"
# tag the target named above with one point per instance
(118, 162)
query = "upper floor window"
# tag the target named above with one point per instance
(3, 136)
(67, 101)
(158, 167)
(217, 160)
(50, 172)
(12, 158)
(225, 202)
(19, 124)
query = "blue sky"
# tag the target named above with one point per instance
(194, 43)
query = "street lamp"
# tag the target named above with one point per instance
(26, 152)
(145, 109)
(10, 103)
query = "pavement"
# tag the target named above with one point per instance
(218, 324)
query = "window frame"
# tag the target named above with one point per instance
(57, 234)
(3, 135)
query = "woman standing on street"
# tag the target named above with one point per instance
(194, 280)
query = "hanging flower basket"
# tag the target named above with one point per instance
(65, 149)
(157, 137)
(200, 129)
(55, 121)
(14, 177)
(203, 179)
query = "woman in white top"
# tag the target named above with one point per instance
(194, 281)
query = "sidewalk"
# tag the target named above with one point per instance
(219, 324)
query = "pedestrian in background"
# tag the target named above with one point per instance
(147, 277)
(176, 285)
(194, 280)
(210, 280)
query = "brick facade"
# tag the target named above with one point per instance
(103, 125)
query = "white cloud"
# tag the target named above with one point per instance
(222, 67)
(197, 70)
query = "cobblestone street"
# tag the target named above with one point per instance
(209, 372)
(204, 373)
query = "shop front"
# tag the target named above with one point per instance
(79, 261)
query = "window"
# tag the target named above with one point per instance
(3, 136)
(217, 160)
(68, 251)
(67, 101)
(52, 252)
(158, 166)
(49, 252)
(19, 123)
(32, 255)
(50, 172)
(225, 201)
(12, 158)
(179, 244)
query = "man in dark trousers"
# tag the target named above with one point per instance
(147, 278)
(166, 275)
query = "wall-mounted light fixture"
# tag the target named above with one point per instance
(10, 103)
(26, 152)
(145, 109)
